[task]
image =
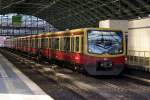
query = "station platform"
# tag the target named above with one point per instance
(14, 85)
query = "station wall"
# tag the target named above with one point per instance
(139, 37)
(115, 24)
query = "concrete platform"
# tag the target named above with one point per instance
(14, 85)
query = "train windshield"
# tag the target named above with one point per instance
(105, 42)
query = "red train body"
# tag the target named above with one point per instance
(98, 51)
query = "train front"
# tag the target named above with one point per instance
(105, 52)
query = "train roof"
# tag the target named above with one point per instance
(63, 32)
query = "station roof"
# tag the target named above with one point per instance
(68, 14)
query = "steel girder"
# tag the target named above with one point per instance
(65, 14)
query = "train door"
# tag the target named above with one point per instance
(126, 39)
(78, 44)
(44, 46)
(29, 43)
(67, 48)
(25, 44)
(20, 43)
(34, 45)
(39, 43)
(77, 48)
(49, 47)
(16, 43)
(26, 41)
(72, 47)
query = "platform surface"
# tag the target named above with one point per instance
(14, 85)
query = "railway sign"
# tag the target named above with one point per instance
(16, 20)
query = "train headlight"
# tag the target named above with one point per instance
(105, 59)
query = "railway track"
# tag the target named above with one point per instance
(70, 85)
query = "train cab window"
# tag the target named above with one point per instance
(77, 44)
(67, 44)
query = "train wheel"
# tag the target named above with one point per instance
(76, 68)
(39, 58)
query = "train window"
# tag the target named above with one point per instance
(77, 44)
(62, 44)
(50, 43)
(36, 42)
(24, 42)
(57, 43)
(39, 42)
(82, 44)
(32, 43)
(44, 43)
(16, 42)
(72, 44)
(27, 42)
(67, 43)
(53, 43)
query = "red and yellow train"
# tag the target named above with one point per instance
(95, 50)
